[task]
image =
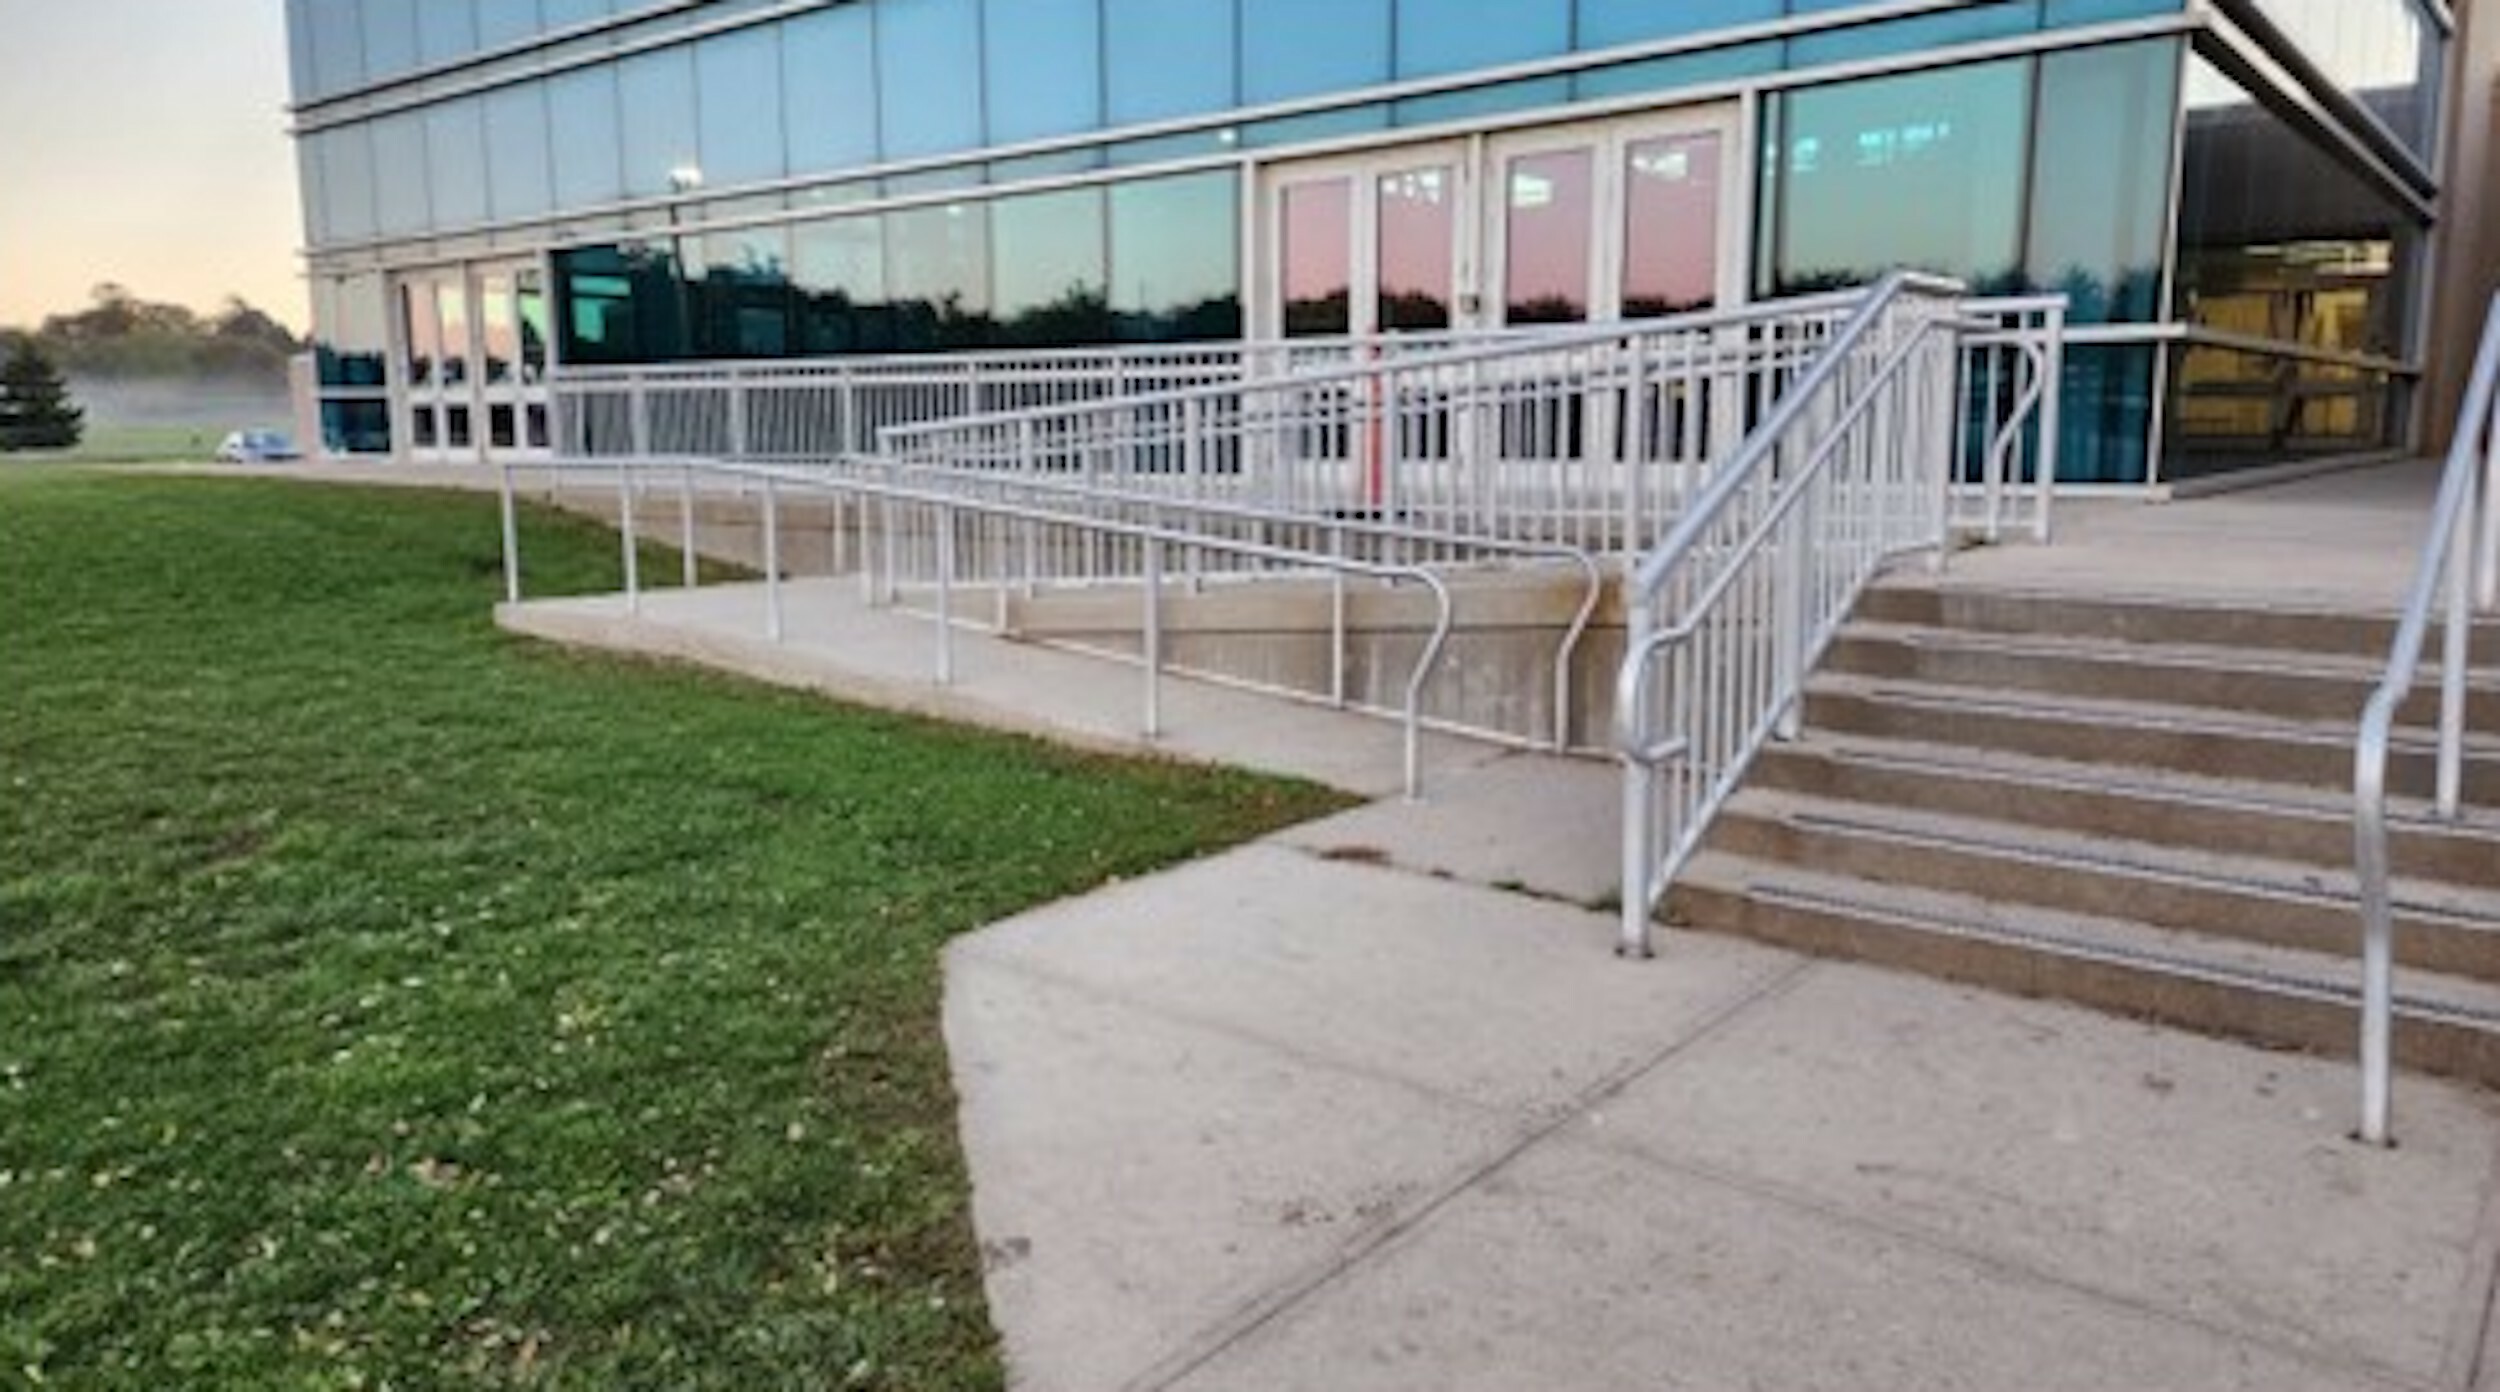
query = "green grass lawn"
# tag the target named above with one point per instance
(139, 444)
(387, 1002)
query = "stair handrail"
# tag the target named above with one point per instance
(2458, 575)
(1766, 470)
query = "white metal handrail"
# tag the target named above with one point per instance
(1854, 466)
(2458, 576)
(944, 506)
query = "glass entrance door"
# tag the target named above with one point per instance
(473, 363)
(1367, 244)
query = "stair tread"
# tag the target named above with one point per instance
(2149, 599)
(2241, 658)
(2103, 710)
(2281, 970)
(2257, 876)
(2144, 781)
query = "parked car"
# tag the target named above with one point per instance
(257, 447)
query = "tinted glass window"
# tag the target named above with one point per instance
(2105, 420)
(390, 35)
(1167, 57)
(455, 158)
(656, 99)
(1042, 67)
(338, 45)
(299, 51)
(315, 196)
(2056, 12)
(2101, 192)
(446, 30)
(501, 22)
(563, 14)
(937, 262)
(520, 181)
(618, 304)
(399, 160)
(1605, 23)
(1964, 25)
(2385, 53)
(829, 82)
(581, 121)
(356, 427)
(346, 181)
(738, 87)
(1279, 60)
(838, 271)
(928, 70)
(1048, 279)
(1175, 264)
(738, 292)
(1442, 36)
(1922, 170)
(349, 341)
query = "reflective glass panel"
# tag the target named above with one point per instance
(937, 263)
(1549, 207)
(1963, 24)
(1042, 67)
(356, 427)
(1167, 58)
(1678, 70)
(619, 304)
(2102, 186)
(928, 58)
(738, 96)
(501, 22)
(738, 292)
(1279, 60)
(1921, 170)
(2385, 53)
(2057, 12)
(581, 121)
(520, 179)
(564, 14)
(315, 197)
(390, 36)
(2231, 409)
(455, 161)
(446, 30)
(1605, 23)
(1175, 256)
(829, 82)
(498, 332)
(352, 325)
(347, 181)
(421, 333)
(529, 308)
(655, 94)
(838, 269)
(451, 302)
(2105, 421)
(1049, 273)
(1445, 36)
(1490, 99)
(1418, 252)
(1317, 257)
(337, 46)
(399, 203)
(1671, 224)
(299, 52)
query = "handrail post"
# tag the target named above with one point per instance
(1154, 637)
(685, 524)
(2052, 426)
(772, 559)
(945, 595)
(625, 531)
(2454, 651)
(1639, 780)
(511, 538)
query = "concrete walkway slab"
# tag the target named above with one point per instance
(1538, 822)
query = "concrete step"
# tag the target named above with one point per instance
(2221, 816)
(2283, 903)
(1917, 601)
(2295, 685)
(2182, 739)
(2281, 996)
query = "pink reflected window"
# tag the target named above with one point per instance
(1418, 259)
(1318, 257)
(1671, 224)
(1545, 264)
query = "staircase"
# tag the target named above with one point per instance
(2143, 806)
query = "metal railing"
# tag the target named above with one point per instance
(2007, 449)
(1728, 615)
(2459, 575)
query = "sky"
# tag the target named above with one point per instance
(144, 142)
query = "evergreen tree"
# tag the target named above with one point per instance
(35, 409)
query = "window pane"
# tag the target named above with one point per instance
(2101, 192)
(1279, 60)
(1175, 257)
(1968, 24)
(839, 270)
(352, 333)
(499, 334)
(529, 302)
(2233, 409)
(618, 304)
(399, 160)
(347, 181)
(829, 80)
(421, 333)
(2385, 53)
(738, 293)
(1444, 36)
(564, 14)
(937, 276)
(500, 22)
(338, 46)
(1042, 67)
(1679, 70)
(390, 36)
(655, 93)
(1671, 224)
(1545, 261)
(738, 87)
(299, 52)
(356, 427)
(1418, 256)
(1605, 23)
(928, 57)
(1922, 170)
(451, 302)
(446, 30)
(581, 120)
(1168, 57)
(520, 180)
(1318, 258)
(2105, 420)
(1048, 272)
(455, 159)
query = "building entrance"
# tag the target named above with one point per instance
(473, 372)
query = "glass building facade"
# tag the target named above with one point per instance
(2234, 194)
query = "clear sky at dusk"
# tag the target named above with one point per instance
(144, 141)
